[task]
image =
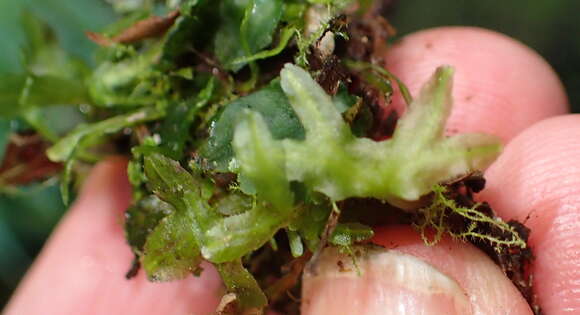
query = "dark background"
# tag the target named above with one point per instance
(27, 215)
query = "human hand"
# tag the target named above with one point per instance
(501, 88)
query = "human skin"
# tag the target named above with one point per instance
(501, 87)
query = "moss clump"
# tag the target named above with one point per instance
(475, 223)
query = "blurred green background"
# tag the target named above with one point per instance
(28, 215)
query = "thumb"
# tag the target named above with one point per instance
(81, 269)
(407, 277)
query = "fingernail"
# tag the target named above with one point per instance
(378, 281)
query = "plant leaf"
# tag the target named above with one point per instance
(261, 19)
(20, 91)
(221, 238)
(285, 35)
(269, 180)
(180, 116)
(172, 251)
(332, 161)
(129, 82)
(191, 30)
(277, 113)
(141, 219)
(10, 87)
(347, 234)
(245, 28)
(65, 148)
(240, 282)
(66, 180)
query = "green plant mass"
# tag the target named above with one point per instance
(253, 128)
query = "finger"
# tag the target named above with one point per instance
(500, 87)
(538, 176)
(81, 269)
(409, 278)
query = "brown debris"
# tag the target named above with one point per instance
(287, 282)
(368, 37)
(228, 305)
(324, 61)
(153, 26)
(25, 161)
(134, 269)
(331, 72)
(331, 224)
(514, 261)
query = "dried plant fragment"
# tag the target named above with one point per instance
(25, 161)
(153, 26)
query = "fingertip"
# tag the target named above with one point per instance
(537, 180)
(106, 184)
(501, 86)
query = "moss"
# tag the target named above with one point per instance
(476, 224)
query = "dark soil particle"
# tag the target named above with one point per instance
(514, 261)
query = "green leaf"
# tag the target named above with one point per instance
(52, 90)
(293, 13)
(235, 236)
(310, 223)
(269, 180)
(129, 82)
(136, 176)
(240, 282)
(52, 122)
(245, 28)
(66, 180)
(141, 219)
(277, 113)
(20, 91)
(70, 18)
(171, 251)
(5, 130)
(65, 148)
(296, 247)
(347, 234)
(261, 19)
(175, 131)
(43, 54)
(10, 87)
(285, 35)
(221, 238)
(173, 184)
(193, 29)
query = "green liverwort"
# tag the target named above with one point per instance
(331, 160)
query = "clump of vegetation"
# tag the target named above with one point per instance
(252, 127)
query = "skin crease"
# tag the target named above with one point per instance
(501, 88)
